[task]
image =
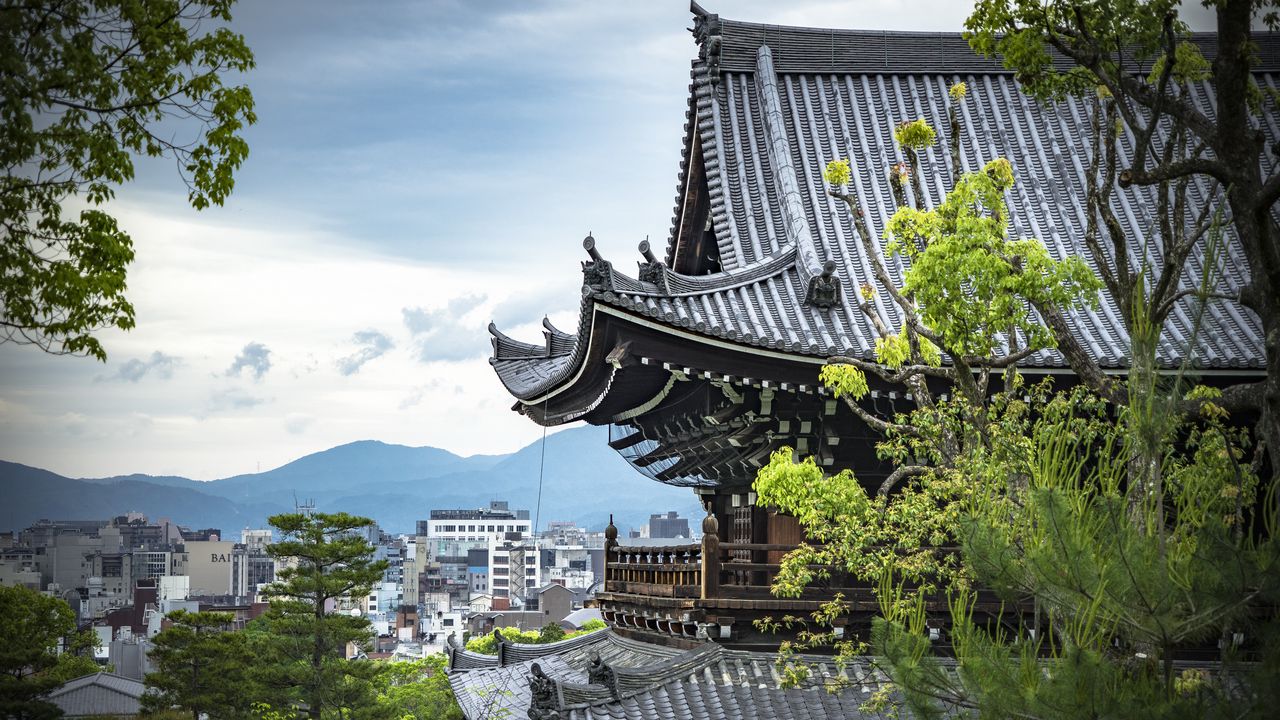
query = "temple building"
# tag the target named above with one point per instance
(704, 360)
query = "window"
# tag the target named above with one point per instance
(490, 529)
(471, 528)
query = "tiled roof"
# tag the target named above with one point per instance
(656, 682)
(101, 694)
(613, 648)
(785, 101)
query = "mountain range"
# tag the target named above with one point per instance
(583, 481)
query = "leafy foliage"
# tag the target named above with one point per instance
(1200, 163)
(837, 173)
(417, 690)
(200, 666)
(971, 282)
(33, 627)
(88, 86)
(1133, 536)
(1123, 574)
(915, 134)
(488, 644)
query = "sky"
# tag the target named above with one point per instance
(417, 170)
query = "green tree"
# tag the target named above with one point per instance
(326, 560)
(968, 293)
(1133, 538)
(33, 628)
(418, 690)
(551, 632)
(200, 666)
(488, 644)
(1135, 59)
(1123, 573)
(86, 87)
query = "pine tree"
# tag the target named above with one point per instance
(326, 560)
(200, 666)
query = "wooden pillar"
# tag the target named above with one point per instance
(610, 542)
(710, 557)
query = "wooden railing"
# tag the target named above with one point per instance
(710, 570)
(666, 571)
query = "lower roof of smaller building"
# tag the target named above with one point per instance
(604, 675)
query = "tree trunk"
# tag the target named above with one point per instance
(317, 661)
(1240, 145)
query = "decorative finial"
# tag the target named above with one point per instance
(652, 270)
(589, 244)
(710, 525)
(824, 289)
(611, 531)
(707, 30)
(596, 273)
(544, 703)
(646, 251)
(599, 673)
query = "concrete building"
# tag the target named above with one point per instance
(513, 567)
(14, 570)
(215, 567)
(668, 526)
(256, 539)
(479, 524)
(478, 582)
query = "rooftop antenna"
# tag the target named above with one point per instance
(307, 507)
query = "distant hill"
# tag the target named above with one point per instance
(583, 481)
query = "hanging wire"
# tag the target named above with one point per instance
(542, 464)
(537, 510)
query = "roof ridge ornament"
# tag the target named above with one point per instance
(707, 32)
(652, 270)
(545, 695)
(600, 673)
(597, 273)
(824, 289)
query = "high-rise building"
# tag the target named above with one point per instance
(668, 526)
(513, 567)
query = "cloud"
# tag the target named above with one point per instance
(373, 345)
(531, 307)
(74, 423)
(441, 334)
(297, 423)
(413, 398)
(255, 357)
(159, 365)
(233, 399)
(432, 388)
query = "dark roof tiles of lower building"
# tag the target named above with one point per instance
(650, 681)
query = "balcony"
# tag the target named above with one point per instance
(686, 594)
